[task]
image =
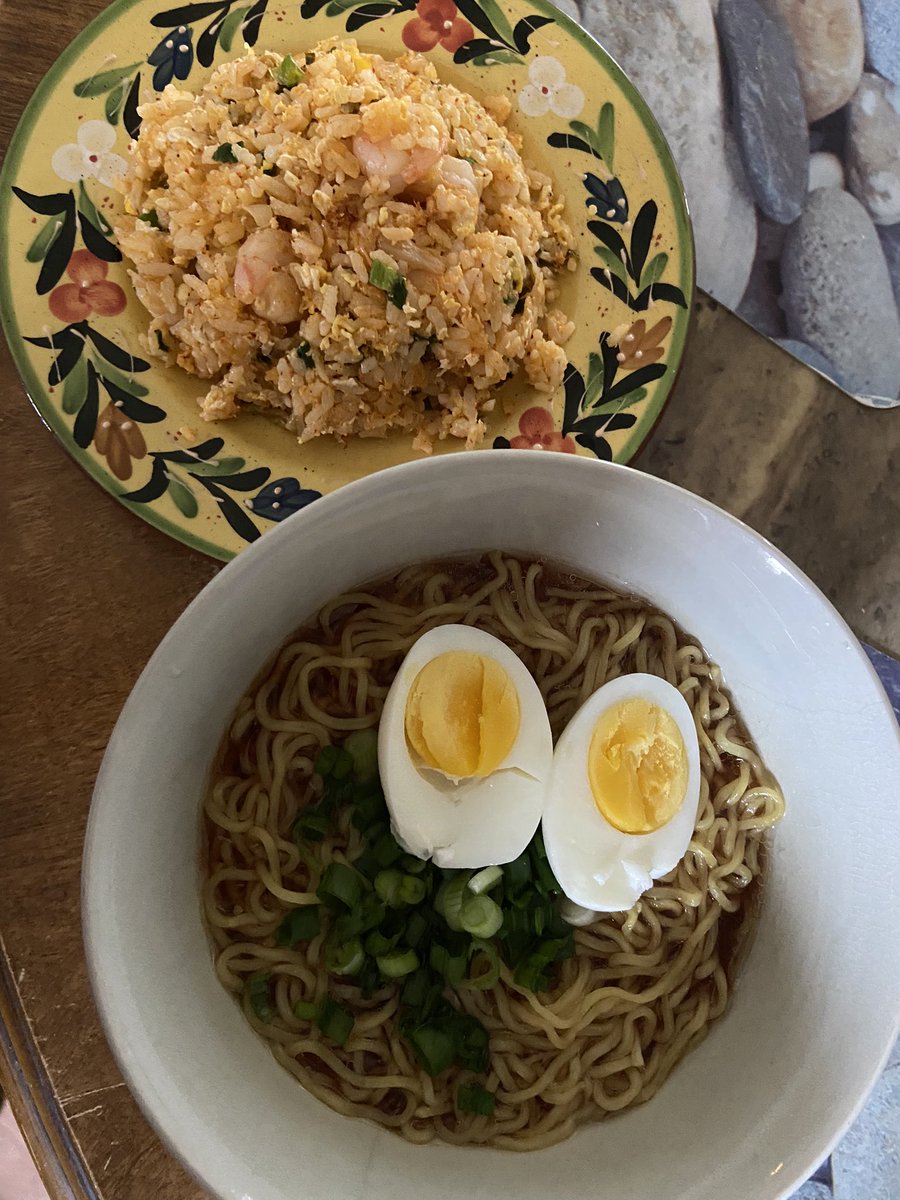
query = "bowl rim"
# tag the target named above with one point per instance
(348, 497)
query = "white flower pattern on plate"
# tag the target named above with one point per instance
(548, 91)
(89, 155)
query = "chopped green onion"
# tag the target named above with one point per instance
(473, 1098)
(151, 216)
(340, 885)
(325, 760)
(518, 872)
(369, 810)
(345, 959)
(412, 890)
(367, 864)
(450, 897)
(379, 943)
(287, 74)
(364, 916)
(451, 966)
(416, 928)
(387, 886)
(305, 1010)
(481, 916)
(335, 1022)
(416, 989)
(386, 850)
(488, 977)
(397, 963)
(413, 865)
(388, 279)
(484, 880)
(302, 350)
(259, 993)
(311, 826)
(531, 973)
(299, 925)
(434, 1047)
(224, 153)
(472, 1042)
(362, 746)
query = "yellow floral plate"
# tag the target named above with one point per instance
(76, 330)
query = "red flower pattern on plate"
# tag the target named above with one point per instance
(536, 432)
(437, 22)
(90, 292)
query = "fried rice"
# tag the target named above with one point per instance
(347, 242)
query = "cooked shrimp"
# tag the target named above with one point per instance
(382, 162)
(261, 279)
(458, 173)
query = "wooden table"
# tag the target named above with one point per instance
(88, 590)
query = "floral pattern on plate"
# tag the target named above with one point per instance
(78, 333)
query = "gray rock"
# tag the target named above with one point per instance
(867, 1162)
(890, 244)
(759, 305)
(874, 148)
(837, 292)
(825, 170)
(828, 41)
(770, 242)
(648, 39)
(882, 23)
(813, 1191)
(812, 358)
(768, 106)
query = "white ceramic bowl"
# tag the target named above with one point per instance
(755, 1108)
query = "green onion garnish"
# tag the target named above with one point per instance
(362, 746)
(388, 279)
(433, 1047)
(341, 886)
(487, 953)
(345, 959)
(450, 898)
(481, 916)
(299, 925)
(335, 1022)
(473, 1098)
(151, 216)
(484, 880)
(287, 74)
(305, 1010)
(416, 928)
(311, 826)
(386, 850)
(397, 963)
(302, 350)
(259, 993)
(518, 872)
(224, 153)
(413, 865)
(378, 943)
(451, 966)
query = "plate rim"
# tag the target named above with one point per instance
(49, 413)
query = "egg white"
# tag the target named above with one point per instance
(476, 822)
(598, 867)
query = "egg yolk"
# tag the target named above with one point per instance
(462, 714)
(637, 766)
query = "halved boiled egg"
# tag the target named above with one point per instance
(622, 801)
(464, 750)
